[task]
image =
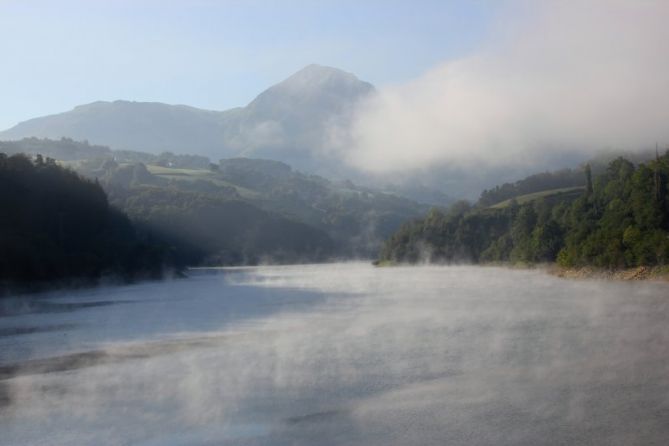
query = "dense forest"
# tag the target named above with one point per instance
(620, 219)
(57, 226)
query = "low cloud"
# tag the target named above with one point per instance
(563, 77)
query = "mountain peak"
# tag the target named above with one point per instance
(314, 89)
(316, 70)
(314, 76)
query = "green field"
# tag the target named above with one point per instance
(197, 174)
(160, 170)
(565, 192)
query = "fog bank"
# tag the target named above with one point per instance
(554, 78)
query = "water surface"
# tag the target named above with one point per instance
(339, 354)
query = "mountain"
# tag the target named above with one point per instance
(149, 126)
(289, 121)
(295, 121)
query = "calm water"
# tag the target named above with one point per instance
(340, 354)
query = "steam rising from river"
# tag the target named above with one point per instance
(346, 354)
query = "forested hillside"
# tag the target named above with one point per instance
(621, 219)
(208, 228)
(259, 202)
(54, 226)
(253, 207)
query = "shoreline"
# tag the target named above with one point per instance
(645, 273)
(638, 273)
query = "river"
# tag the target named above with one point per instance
(339, 354)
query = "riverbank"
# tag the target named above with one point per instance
(655, 273)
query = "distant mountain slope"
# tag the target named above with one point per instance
(63, 149)
(128, 125)
(286, 122)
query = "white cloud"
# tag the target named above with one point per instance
(563, 76)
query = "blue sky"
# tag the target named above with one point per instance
(216, 54)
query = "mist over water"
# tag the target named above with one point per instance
(340, 354)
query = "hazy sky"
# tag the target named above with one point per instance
(216, 54)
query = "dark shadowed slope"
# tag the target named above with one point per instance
(55, 226)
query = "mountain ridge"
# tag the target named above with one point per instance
(287, 121)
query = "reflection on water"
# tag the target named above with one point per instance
(342, 354)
